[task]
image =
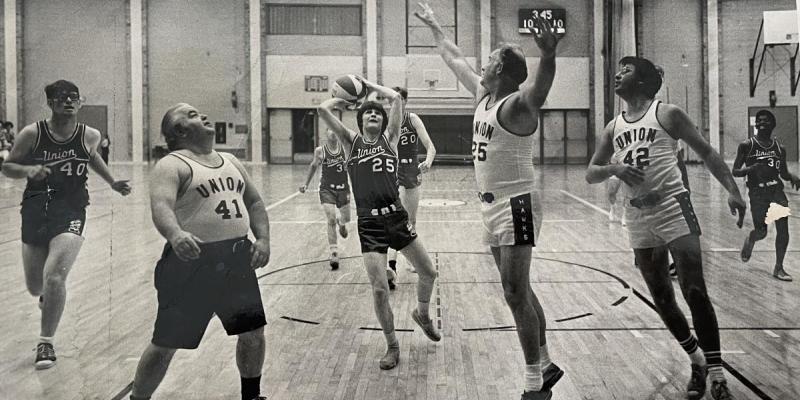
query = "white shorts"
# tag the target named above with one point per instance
(4, 154)
(659, 225)
(510, 221)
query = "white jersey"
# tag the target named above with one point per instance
(212, 207)
(645, 144)
(503, 161)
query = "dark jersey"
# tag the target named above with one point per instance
(407, 146)
(334, 174)
(767, 176)
(373, 171)
(68, 161)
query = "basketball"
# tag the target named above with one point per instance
(348, 87)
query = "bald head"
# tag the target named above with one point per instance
(171, 120)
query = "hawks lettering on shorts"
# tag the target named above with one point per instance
(407, 146)
(646, 145)
(523, 219)
(334, 169)
(373, 172)
(68, 161)
(768, 175)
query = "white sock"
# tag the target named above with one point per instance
(391, 339)
(544, 357)
(45, 339)
(716, 373)
(533, 378)
(698, 357)
(422, 308)
(334, 248)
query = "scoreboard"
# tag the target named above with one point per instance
(557, 17)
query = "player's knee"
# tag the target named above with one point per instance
(55, 279)
(380, 292)
(516, 294)
(332, 222)
(253, 338)
(664, 299)
(760, 232)
(696, 295)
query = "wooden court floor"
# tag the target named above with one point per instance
(321, 337)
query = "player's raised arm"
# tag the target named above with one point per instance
(396, 111)
(533, 96)
(451, 54)
(345, 135)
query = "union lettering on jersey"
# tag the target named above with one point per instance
(769, 157)
(334, 174)
(373, 172)
(212, 207)
(645, 144)
(68, 161)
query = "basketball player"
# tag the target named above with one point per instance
(642, 141)
(54, 155)
(334, 190)
(762, 160)
(505, 121)
(382, 220)
(6, 142)
(204, 203)
(412, 132)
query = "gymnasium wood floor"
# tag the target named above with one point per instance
(321, 342)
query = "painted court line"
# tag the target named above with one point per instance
(636, 334)
(771, 333)
(284, 200)
(586, 203)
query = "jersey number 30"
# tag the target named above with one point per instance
(642, 155)
(223, 210)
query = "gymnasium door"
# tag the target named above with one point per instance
(563, 137)
(785, 131)
(304, 129)
(452, 136)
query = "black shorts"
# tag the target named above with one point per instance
(760, 201)
(408, 175)
(338, 197)
(42, 221)
(378, 233)
(220, 282)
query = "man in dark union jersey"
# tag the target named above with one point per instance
(762, 160)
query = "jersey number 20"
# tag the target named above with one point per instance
(222, 209)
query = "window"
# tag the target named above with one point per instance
(301, 19)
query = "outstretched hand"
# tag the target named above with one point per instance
(425, 14)
(546, 37)
(795, 182)
(122, 187)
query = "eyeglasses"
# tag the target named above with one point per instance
(64, 97)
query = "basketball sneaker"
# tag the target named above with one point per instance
(334, 260)
(391, 277)
(343, 231)
(391, 358)
(540, 395)
(781, 275)
(45, 356)
(747, 249)
(697, 382)
(719, 391)
(41, 302)
(427, 326)
(551, 375)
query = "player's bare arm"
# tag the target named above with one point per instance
(425, 138)
(312, 168)
(451, 54)
(784, 172)
(521, 114)
(14, 166)
(599, 168)
(259, 220)
(166, 180)
(680, 127)
(739, 169)
(344, 134)
(395, 113)
(92, 142)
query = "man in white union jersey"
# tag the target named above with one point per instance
(505, 121)
(204, 204)
(643, 142)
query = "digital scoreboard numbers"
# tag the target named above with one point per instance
(557, 17)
